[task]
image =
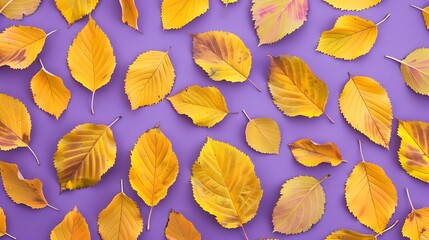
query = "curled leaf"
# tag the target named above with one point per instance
(129, 13)
(72, 227)
(73, 10)
(177, 13)
(17, 9)
(180, 228)
(311, 154)
(353, 5)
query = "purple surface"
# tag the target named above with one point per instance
(398, 36)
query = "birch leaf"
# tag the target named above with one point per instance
(226, 2)
(311, 154)
(425, 13)
(225, 184)
(73, 10)
(17, 9)
(84, 155)
(344, 234)
(149, 79)
(180, 228)
(353, 5)
(177, 13)
(49, 92)
(300, 206)
(416, 223)
(3, 225)
(206, 106)
(129, 13)
(91, 59)
(366, 106)
(274, 19)
(72, 227)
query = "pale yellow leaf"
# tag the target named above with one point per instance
(344, 234)
(72, 227)
(353, 5)
(311, 154)
(17, 9)
(263, 135)
(129, 13)
(73, 10)
(177, 13)
(180, 228)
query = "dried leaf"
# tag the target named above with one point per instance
(129, 13)
(73, 10)
(72, 227)
(149, 79)
(91, 59)
(17, 9)
(274, 19)
(49, 92)
(353, 5)
(177, 13)
(84, 155)
(300, 206)
(344, 234)
(206, 106)
(180, 228)
(311, 154)
(366, 106)
(225, 184)
(416, 223)
(3, 225)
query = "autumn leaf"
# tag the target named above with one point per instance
(311, 154)
(366, 106)
(225, 184)
(49, 92)
(353, 5)
(227, 2)
(180, 228)
(84, 155)
(72, 227)
(300, 206)
(425, 13)
(129, 13)
(345, 234)
(416, 223)
(15, 125)
(206, 106)
(154, 167)
(295, 89)
(149, 79)
(370, 195)
(73, 10)
(3, 225)
(21, 190)
(274, 19)
(177, 13)
(121, 219)
(263, 135)
(17, 9)
(415, 71)
(350, 38)
(91, 59)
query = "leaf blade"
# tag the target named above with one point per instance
(311, 154)
(73, 226)
(263, 135)
(17, 9)
(353, 5)
(180, 228)
(130, 13)
(176, 14)
(73, 10)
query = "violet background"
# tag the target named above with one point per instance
(398, 36)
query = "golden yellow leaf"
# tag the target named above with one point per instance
(350, 38)
(154, 167)
(149, 79)
(180, 228)
(206, 106)
(295, 89)
(49, 92)
(353, 5)
(73, 10)
(226, 2)
(177, 13)
(263, 135)
(415, 71)
(84, 155)
(344, 234)
(17, 9)
(416, 223)
(311, 154)
(300, 206)
(366, 106)
(72, 227)
(225, 184)
(3, 225)
(414, 150)
(274, 19)
(21, 190)
(121, 219)
(91, 59)
(129, 13)
(425, 13)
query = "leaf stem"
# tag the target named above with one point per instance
(49, 33)
(324, 178)
(34, 154)
(384, 19)
(387, 229)
(7, 234)
(5, 6)
(92, 103)
(419, 8)
(114, 121)
(49, 205)
(245, 114)
(254, 84)
(122, 185)
(409, 199)
(330, 119)
(244, 232)
(41, 63)
(148, 219)
(360, 149)
(394, 59)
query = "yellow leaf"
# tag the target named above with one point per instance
(3, 225)
(84, 155)
(129, 13)
(226, 2)
(350, 38)
(366, 106)
(414, 70)
(263, 135)
(300, 206)
(72, 227)
(73, 10)
(311, 154)
(21, 190)
(425, 13)
(154, 167)
(149, 79)
(416, 223)
(20, 45)
(206, 106)
(225, 184)
(295, 89)
(414, 150)
(344, 234)
(180, 228)
(49, 92)
(274, 19)
(177, 13)
(17, 9)
(353, 5)
(91, 59)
